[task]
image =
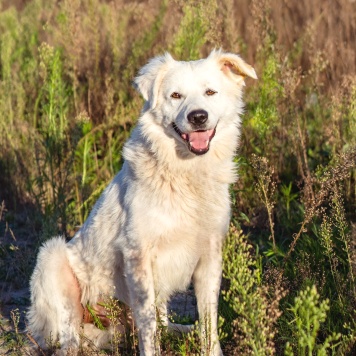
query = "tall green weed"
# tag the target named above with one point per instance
(256, 313)
(308, 314)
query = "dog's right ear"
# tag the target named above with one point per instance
(150, 77)
(233, 66)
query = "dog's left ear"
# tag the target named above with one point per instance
(150, 77)
(233, 66)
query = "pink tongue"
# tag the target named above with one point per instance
(200, 139)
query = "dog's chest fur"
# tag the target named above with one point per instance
(182, 205)
(187, 212)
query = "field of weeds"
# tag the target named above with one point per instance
(67, 106)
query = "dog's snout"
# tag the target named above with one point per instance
(198, 117)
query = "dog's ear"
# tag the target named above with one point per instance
(233, 66)
(150, 77)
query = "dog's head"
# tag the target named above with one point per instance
(192, 99)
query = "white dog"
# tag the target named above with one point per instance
(162, 220)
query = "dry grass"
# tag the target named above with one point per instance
(67, 106)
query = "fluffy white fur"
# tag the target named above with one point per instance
(161, 222)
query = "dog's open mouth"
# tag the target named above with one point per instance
(198, 141)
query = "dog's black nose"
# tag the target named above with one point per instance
(197, 117)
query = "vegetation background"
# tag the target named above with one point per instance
(67, 106)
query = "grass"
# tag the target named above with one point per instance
(67, 106)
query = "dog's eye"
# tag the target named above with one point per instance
(210, 92)
(176, 95)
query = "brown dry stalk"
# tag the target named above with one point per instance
(266, 188)
(328, 181)
(29, 336)
(305, 168)
(2, 209)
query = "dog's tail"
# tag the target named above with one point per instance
(55, 312)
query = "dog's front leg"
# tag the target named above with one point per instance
(207, 279)
(142, 301)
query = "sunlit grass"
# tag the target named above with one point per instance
(67, 106)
